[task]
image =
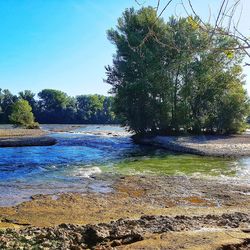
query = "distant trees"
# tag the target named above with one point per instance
(54, 106)
(6, 101)
(174, 78)
(22, 115)
(95, 108)
(29, 97)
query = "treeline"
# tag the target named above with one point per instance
(54, 106)
(174, 76)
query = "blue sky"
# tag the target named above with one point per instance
(62, 44)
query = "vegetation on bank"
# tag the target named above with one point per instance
(174, 76)
(54, 106)
(22, 115)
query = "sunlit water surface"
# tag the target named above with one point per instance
(69, 165)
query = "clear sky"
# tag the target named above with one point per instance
(62, 44)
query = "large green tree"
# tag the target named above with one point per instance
(29, 96)
(55, 106)
(137, 70)
(94, 109)
(7, 99)
(51, 99)
(166, 76)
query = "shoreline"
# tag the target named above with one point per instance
(218, 146)
(25, 137)
(141, 212)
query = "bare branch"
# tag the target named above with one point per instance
(165, 7)
(224, 24)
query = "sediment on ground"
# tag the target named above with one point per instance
(221, 146)
(19, 132)
(142, 212)
(123, 232)
(25, 137)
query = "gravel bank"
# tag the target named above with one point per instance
(27, 141)
(117, 233)
(222, 146)
(25, 137)
(17, 132)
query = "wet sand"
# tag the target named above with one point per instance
(142, 212)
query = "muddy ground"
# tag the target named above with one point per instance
(142, 212)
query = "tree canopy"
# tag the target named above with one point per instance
(175, 78)
(22, 115)
(54, 106)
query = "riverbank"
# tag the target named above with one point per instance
(218, 146)
(107, 130)
(25, 137)
(140, 212)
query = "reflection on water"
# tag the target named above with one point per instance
(67, 165)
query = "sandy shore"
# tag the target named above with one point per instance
(142, 212)
(222, 146)
(25, 137)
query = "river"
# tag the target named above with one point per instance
(82, 153)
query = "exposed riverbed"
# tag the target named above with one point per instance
(83, 151)
(96, 174)
(142, 212)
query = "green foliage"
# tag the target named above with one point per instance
(30, 97)
(22, 114)
(6, 101)
(95, 109)
(172, 76)
(52, 99)
(57, 107)
(89, 106)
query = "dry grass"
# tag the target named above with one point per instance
(5, 133)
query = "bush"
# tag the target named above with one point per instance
(177, 80)
(22, 115)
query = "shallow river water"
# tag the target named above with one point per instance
(83, 152)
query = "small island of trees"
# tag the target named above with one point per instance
(173, 76)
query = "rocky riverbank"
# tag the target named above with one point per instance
(141, 212)
(221, 146)
(25, 137)
(122, 232)
(95, 130)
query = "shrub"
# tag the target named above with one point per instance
(22, 114)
